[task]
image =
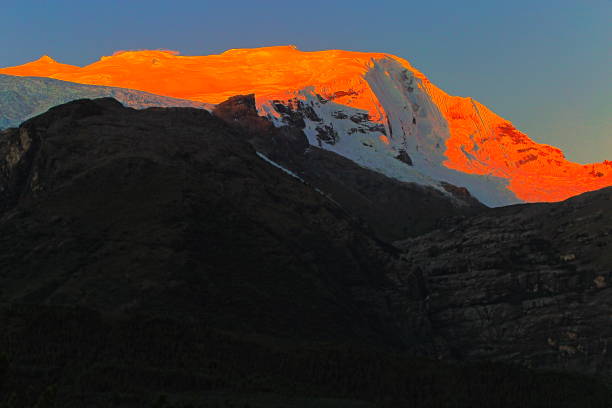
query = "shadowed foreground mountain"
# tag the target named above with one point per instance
(525, 283)
(158, 252)
(391, 208)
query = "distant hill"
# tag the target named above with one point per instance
(24, 97)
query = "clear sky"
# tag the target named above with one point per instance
(543, 64)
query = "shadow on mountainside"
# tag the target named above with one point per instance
(152, 258)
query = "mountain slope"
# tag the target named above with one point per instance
(392, 209)
(155, 251)
(24, 97)
(528, 284)
(369, 107)
(158, 204)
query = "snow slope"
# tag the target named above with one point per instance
(24, 97)
(372, 108)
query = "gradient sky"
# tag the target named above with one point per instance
(543, 64)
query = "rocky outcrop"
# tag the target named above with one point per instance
(526, 284)
(405, 157)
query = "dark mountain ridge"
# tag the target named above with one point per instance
(528, 284)
(193, 198)
(391, 208)
(155, 252)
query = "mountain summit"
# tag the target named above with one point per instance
(373, 108)
(41, 67)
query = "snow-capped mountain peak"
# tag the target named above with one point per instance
(373, 108)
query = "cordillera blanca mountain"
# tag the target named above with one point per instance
(372, 108)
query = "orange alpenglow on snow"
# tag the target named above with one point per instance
(472, 138)
(45, 66)
(270, 73)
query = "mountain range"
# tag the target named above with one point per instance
(276, 228)
(372, 108)
(170, 257)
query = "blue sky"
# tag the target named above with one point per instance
(545, 65)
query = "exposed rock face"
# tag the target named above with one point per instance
(403, 156)
(391, 208)
(498, 285)
(527, 284)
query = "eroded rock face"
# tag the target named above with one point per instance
(17, 146)
(526, 284)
